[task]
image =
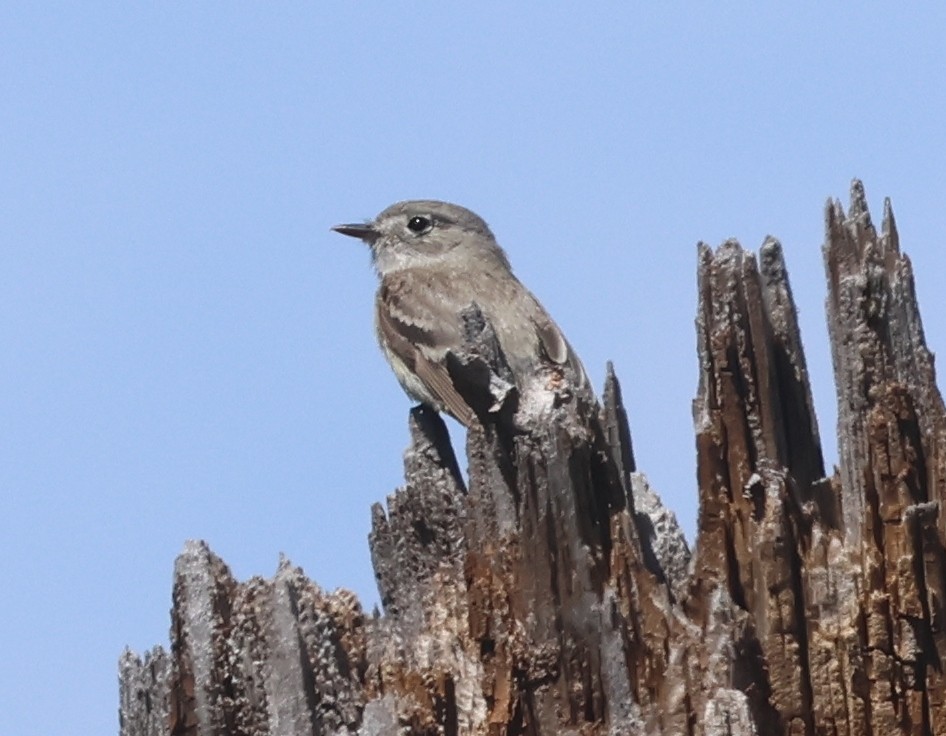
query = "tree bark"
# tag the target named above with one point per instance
(556, 595)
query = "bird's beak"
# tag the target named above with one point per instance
(362, 230)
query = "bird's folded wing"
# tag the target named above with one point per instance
(552, 339)
(555, 345)
(410, 324)
(439, 383)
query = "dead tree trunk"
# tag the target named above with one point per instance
(556, 595)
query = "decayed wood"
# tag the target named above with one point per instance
(892, 439)
(556, 595)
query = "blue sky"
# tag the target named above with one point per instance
(188, 351)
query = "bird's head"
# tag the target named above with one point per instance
(427, 234)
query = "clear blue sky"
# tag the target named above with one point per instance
(188, 351)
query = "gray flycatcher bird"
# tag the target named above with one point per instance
(435, 260)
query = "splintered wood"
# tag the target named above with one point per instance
(554, 594)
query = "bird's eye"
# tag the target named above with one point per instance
(419, 224)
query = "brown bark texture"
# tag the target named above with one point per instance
(554, 594)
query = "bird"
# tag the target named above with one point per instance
(434, 260)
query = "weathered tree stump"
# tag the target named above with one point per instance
(556, 595)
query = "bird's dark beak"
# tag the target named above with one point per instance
(362, 230)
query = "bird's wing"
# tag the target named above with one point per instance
(552, 339)
(410, 323)
(554, 344)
